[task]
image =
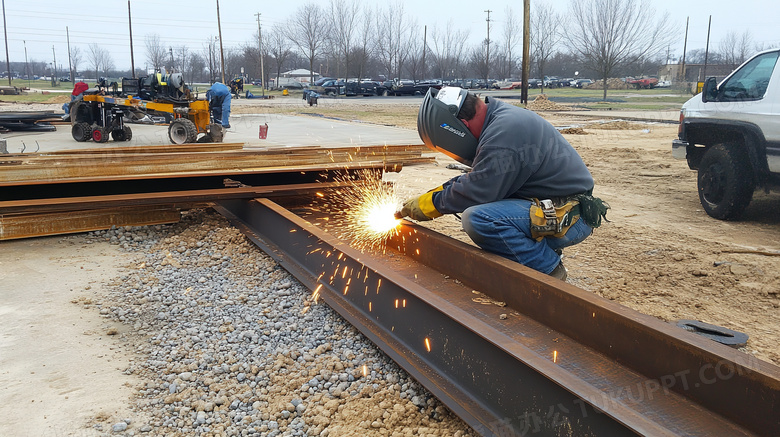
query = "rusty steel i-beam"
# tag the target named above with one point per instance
(514, 352)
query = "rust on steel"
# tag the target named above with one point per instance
(514, 352)
(56, 223)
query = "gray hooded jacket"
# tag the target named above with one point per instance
(519, 155)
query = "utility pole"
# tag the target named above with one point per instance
(221, 51)
(70, 65)
(526, 51)
(7, 59)
(685, 49)
(171, 50)
(26, 67)
(130, 25)
(54, 68)
(487, 54)
(706, 51)
(260, 46)
(425, 46)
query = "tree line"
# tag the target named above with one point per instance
(347, 38)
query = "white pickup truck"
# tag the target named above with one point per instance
(730, 133)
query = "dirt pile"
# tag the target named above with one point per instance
(618, 125)
(612, 84)
(542, 103)
(574, 131)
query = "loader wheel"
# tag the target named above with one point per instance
(81, 132)
(124, 134)
(182, 131)
(80, 112)
(216, 132)
(100, 135)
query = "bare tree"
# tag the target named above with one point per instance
(181, 56)
(306, 32)
(100, 59)
(478, 59)
(734, 49)
(75, 60)
(155, 52)
(512, 33)
(211, 56)
(609, 33)
(195, 67)
(343, 18)
(366, 37)
(546, 34)
(396, 34)
(448, 47)
(279, 48)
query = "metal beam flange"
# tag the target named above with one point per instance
(503, 373)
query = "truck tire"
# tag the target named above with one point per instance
(725, 181)
(100, 135)
(182, 131)
(81, 132)
(124, 134)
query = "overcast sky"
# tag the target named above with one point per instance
(40, 24)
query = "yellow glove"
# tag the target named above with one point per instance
(421, 208)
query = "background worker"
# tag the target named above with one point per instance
(219, 103)
(521, 166)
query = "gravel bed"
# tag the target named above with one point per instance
(227, 343)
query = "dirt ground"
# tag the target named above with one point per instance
(660, 254)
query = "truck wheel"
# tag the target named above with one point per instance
(81, 132)
(182, 131)
(100, 134)
(725, 181)
(124, 134)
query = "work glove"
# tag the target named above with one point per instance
(421, 208)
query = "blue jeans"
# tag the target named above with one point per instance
(504, 228)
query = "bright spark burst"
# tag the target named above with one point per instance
(365, 210)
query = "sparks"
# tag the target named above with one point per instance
(368, 219)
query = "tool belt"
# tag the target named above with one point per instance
(548, 220)
(554, 217)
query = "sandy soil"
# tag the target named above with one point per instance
(661, 254)
(61, 371)
(61, 363)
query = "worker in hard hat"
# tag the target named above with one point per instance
(219, 103)
(528, 194)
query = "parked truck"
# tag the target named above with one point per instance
(730, 134)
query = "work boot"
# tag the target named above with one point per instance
(559, 272)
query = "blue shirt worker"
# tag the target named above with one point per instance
(219, 103)
(528, 194)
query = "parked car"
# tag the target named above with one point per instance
(581, 83)
(322, 80)
(365, 88)
(294, 85)
(730, 134)
(330, 87)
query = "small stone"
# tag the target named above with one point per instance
(503, 316)
(119, 427)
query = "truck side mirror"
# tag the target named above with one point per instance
(709, 91)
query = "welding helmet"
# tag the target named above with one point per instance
(439, 126)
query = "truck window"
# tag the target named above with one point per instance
(749, 82)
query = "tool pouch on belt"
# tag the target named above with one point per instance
(547, 220)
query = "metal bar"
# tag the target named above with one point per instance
(498, 368)
(724, 380)
(27, 206)
(39, 225)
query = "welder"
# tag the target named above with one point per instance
(219, 103)
(528, 194)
